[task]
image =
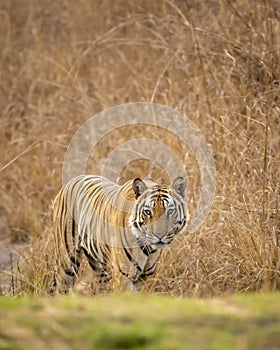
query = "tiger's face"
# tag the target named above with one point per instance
(160, 211)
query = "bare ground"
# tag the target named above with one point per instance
(9, 255)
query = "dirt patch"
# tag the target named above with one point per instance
(9, 256)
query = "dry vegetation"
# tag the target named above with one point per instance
(216, 61)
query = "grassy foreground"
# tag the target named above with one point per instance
(141, 322)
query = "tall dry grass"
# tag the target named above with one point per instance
(216, 61)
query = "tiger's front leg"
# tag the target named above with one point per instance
(124, 282)
(127, 277)
(65, 274)
(103, 279)
(139, 273)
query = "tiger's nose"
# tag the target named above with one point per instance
(161, 235)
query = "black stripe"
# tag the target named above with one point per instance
(131, 259)
(165, 196)
(73, 232)
(87, 254)
(75, 261)
(120, 270)
(66, 242)
(147, 274)
(147, 250)
(70, 272)
(128, 255)
(153, 196)
(160, 188)
(151, 268)
(181, 211)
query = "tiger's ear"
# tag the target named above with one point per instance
(179, 185)
(138, 187)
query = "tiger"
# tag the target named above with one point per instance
(120, 231)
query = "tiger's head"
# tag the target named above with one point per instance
(160, 211)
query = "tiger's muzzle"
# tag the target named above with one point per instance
(162, 238)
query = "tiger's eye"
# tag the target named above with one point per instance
(170, 211)
(147, 212)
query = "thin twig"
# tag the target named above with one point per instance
(28, 149)
(12, 275)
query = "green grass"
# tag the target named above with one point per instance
(141, 322)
